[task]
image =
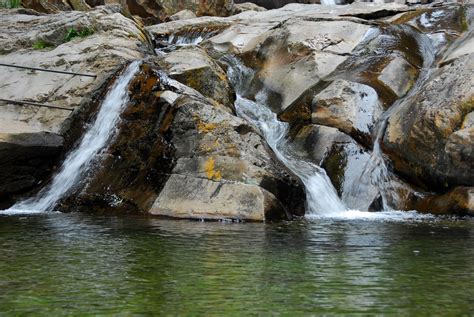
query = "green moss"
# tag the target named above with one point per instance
(463, 18)
(72, 33)
(41, 44)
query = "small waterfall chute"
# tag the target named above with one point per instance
(78, 161)
(376, 172)
(321, 196)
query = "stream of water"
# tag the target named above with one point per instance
(321, 196)
(79, 160)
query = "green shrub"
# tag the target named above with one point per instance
(40, 44)
(9, 4)
(73, 33)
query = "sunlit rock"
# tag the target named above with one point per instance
(351, 107)
(425, 137)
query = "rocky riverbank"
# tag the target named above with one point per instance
(380, 96)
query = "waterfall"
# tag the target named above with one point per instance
(375, 171)
(322, 198)
(328, 2)
(78, 161)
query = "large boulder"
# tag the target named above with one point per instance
(459, 201)
(183, 15)
(178, 155)
(426, 138)
(194, 68)
(247, 6)
(216, 147)
(351, 107)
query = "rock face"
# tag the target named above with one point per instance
(26, 158)
(224, 169)
(92, 54)
(151, 12)
(379, 96)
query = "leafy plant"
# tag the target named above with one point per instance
(9, 4)
(73, 33)
(40, 44)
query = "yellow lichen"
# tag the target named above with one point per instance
(211, 172)
(204, 127)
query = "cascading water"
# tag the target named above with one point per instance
(78, 162)
(376, 172)
(321, 196)
(328, 2)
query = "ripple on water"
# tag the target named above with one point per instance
(79, 264)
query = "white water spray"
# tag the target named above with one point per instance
(78, 162)
(320, 194)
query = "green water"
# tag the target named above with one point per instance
(78, 264)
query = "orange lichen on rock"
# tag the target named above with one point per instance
(211, 172)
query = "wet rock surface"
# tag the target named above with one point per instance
(194, 68)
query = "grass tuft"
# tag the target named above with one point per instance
(72, 33)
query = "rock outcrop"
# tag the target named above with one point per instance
(379, 96)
